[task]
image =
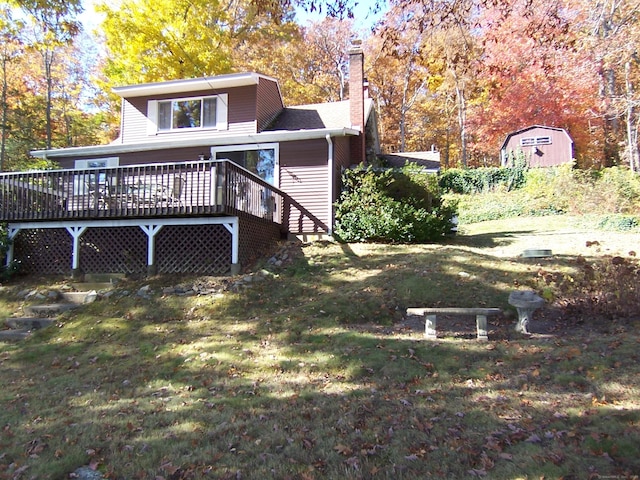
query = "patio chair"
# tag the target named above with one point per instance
(98, 194)
(175, 194)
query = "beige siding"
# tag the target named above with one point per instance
(269, 103)
(304, 176)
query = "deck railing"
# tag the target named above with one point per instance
(214, 187)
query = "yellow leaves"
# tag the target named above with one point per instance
(599, 402)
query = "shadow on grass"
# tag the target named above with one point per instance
(278, 381)
(488, 240)
(260, 400)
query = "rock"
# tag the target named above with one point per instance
(91, 297)
(144, 291)
(86, 473)
(53, 295)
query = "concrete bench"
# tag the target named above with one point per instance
(431, 314)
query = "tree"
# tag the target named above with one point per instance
(10, 50)
(398, 71)
(53, 24)
(531, 80)
(155, 40)
(313, 74)
(443, 26)
(612, 29)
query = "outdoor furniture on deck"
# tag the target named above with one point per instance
(212, 187)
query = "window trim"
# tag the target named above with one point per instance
(535, 141)
(222, 100)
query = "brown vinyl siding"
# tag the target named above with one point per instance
(241, 113)
(342, 160)
(341, 152)
(269, 104)
(303, 176)
(138, 158)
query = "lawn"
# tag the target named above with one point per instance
(315, 371)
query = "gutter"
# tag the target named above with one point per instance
(208, 141)
(330, 167)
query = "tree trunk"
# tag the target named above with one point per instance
(462, 121)
(48, 62)
(5, 113)
(632, 134)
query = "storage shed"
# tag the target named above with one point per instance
(541, 145)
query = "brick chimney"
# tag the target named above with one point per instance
(356, 100)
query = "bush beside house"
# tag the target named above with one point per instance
(392, 206)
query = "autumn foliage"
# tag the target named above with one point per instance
(457, 75)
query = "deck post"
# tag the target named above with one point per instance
(76, 232)
(234, 228)
(11, 234)
(151, 230)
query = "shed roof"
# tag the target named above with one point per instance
(532, 127)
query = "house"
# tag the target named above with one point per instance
(205, 175)
(542, 146)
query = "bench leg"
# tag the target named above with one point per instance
(430, 327)
(481, 325)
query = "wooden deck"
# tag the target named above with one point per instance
(204, 188)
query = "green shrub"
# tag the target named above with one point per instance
(484, 179)
(619, 223)
(626, 186)
(391, 206)
(613, 193)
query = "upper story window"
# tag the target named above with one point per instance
(533, 141)
(187, 114)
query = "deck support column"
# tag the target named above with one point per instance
(234, 229)
(76, 232)
(11, 235)
(151, 230)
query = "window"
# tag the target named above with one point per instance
(533, 141)
(187, 113)
(80, 181)
(259, 159)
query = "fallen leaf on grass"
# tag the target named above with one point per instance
(353, 462)
(343, 449)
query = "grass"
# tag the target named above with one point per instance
(315, 373)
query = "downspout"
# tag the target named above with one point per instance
(330, 175)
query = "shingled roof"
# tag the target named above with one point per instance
(429, 160)
(317, 115)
